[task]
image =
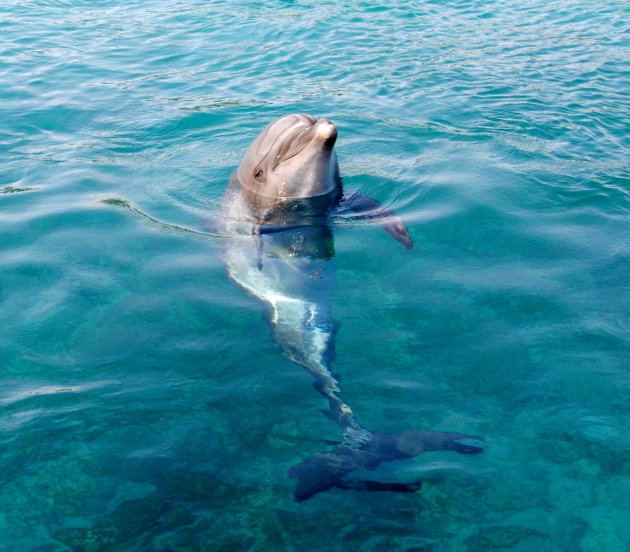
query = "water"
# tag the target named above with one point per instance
(144, 405)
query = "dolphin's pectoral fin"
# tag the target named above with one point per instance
(322, 472)
(396, 228)
(367, 207)
(366, 485)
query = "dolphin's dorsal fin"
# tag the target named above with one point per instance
(367, 207)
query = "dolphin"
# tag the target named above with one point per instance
(278, 205)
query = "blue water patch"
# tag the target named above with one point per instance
(143, 402)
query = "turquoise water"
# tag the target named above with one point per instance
(144, 405)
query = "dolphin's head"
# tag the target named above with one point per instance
(292, 158)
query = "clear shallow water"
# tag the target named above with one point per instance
(144, 405)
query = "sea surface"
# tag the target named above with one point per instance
(143, 403)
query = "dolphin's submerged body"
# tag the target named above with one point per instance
(280, 251)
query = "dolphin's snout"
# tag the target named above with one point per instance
(326, 131)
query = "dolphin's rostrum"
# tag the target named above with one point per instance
(277, 207)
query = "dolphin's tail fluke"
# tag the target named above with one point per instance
(366, 451)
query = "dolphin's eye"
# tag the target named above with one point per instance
(259, 174)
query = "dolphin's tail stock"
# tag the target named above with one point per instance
(364, 450)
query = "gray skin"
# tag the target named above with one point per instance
(281, 249)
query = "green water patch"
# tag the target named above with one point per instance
(16, 190)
